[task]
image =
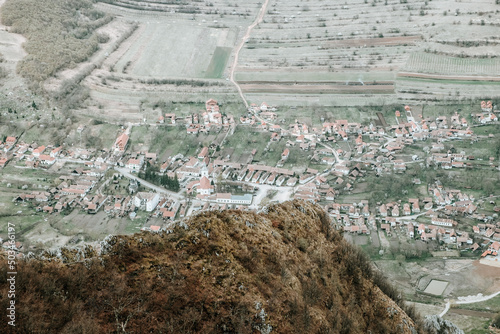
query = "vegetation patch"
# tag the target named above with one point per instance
(218, 63)
(59, 33)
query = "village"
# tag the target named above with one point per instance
(121, 182)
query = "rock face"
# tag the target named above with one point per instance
(282, 271)
(434, 324)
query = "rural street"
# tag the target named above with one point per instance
(468, 300)
(258, 19)
(161, 190)
(418, 215)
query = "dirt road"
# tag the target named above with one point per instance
(258, 19)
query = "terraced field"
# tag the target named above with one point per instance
(372, 42)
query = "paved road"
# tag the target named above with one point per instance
(125, 172)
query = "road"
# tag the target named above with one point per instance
(258, 19)
(412, 217)
(468, 300)
(125, 172)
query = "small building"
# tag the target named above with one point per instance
(146, 201)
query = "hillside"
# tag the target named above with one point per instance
(284, 271)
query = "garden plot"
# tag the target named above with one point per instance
(436, 287)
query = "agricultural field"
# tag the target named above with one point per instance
(302, 53)
(362, 44)
(186, 51)
(175, 52)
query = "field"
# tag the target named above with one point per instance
(436, 287)
(302, 53)
(177, 50)
(439, 64)
(371, 42)
(218, 63)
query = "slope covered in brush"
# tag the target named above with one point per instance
(282, 271)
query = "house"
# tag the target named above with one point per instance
(203, 153)
(227, 198)
(342, 169)
(383, 210)
(211, 106)
(39, 150)
(55, 152)
(121, 143)
(10, 141)
(494, 247)
(47, 159)
(3, 162)
(170, 117)
(411, 230)
(193, 129)
(443, 222)
(285, 154)
(135, 164)
(291, 182)
(146, 201)
(406, 209)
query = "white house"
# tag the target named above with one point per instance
(146, 201)
(227, 198)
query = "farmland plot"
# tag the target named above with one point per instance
(439, 64)
(177, 50)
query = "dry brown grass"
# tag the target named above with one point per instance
(229, 272)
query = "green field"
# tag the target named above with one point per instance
(218, 63)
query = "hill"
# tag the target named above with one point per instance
(281, 271)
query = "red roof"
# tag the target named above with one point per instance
(204, 183)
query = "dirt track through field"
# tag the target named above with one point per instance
(261, 14)
(319, 89)
(448, 77)
(472, 313)
(370, 42)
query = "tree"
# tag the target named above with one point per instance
(496, 321)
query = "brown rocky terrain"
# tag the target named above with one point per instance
(281, 271)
